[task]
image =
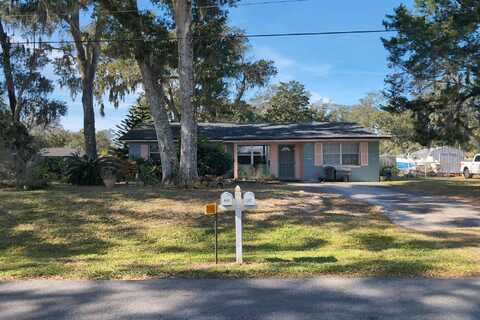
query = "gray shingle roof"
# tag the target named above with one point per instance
(264, 131)
(60, 152)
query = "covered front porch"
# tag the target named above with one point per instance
(305, 160)
(277, 160)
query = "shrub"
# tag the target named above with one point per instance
(389, 171)
(54, 168)
(37, 175)
(148, 172)
(127, 170)
(90, 172)
(83, 171)
(212, 159)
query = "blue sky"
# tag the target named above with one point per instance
(337, 68)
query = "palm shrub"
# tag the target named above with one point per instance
(90, 172)
(83, 171)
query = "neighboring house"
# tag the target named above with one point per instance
(60, 152)
(295, 151)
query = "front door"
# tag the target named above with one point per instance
(286, 166)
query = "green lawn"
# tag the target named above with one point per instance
(135, 233)
(456, 187)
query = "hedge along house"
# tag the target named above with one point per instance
(295, 151)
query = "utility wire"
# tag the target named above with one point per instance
(242, 4)
(258, 35)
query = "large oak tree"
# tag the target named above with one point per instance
(188, 123)
(150, 47)
(78, 61)
(28, 103)
(435, 63)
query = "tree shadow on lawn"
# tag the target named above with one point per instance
(57, 227)
(305, 244)
(86, 222)
(317, 259)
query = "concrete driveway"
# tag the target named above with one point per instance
(279, 299)
(411, 210)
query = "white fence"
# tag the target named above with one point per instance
(446, 160)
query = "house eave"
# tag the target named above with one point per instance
(258, 140)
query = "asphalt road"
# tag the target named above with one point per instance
(318, 298)
(412, 210)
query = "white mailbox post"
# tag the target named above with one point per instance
(238, 225)
(229, 202)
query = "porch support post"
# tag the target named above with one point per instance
(235, 161)
(299, 161)
(274, 159)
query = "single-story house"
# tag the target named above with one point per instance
(60, 152)
(290, 151)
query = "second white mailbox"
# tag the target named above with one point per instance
(249, 199)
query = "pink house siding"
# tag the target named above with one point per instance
(318, 154)
(364, 154)
(274, 159)
(144, 151)
(235, 161)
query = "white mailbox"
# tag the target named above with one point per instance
(226, 199)
(249, 199)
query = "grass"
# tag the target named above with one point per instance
(455, 187)
(136, 233)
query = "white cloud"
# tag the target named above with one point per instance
(288, 66)
(318, 98)
(281, 61)
(321, 70)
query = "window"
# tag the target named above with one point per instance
(154, 152)
(252, 155)
(331, 154)
(350, 154)
(477, 159)
(134, 151)
(345, 153)
(244, 155)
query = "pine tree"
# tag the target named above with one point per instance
(137, 114)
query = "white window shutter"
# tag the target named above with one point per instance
(318, 154)
(364, 154)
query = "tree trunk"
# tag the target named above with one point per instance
(171, 103)
(166, 143)
(188, 150)
(89, 132)
(241, 91)
(15, 109)
(20, 167)
(87, 59)
(8, 73)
